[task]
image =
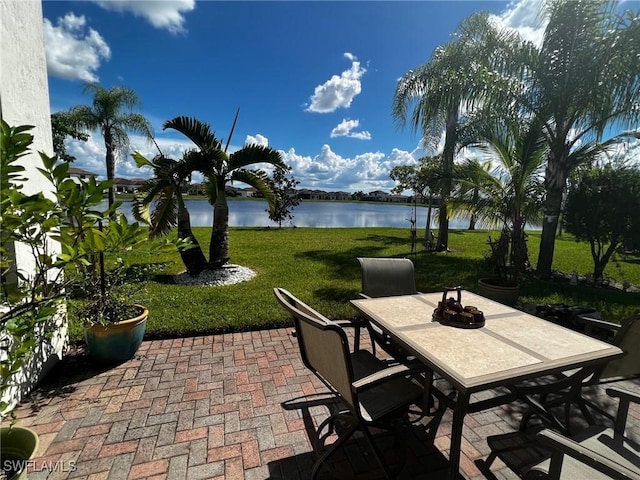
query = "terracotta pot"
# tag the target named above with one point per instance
(507, 295)
(116, 342)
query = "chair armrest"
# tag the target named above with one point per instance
(625, 397)
(620, 393)
(384, 375)
(590, 322)
(564, 446)
(355, 322)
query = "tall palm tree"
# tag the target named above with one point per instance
(454, 80)
(111, 114)
(219, 168)
(584, 84)
(164, 193)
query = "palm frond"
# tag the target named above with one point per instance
(254, 154)
(259, 180)
(198, 132)
(164, 214)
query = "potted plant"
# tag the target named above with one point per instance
(114, 323)
(501, 282)
(508, 190)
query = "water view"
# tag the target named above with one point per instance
(252, 213)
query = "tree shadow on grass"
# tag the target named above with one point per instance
(433, 271)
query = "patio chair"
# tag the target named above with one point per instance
(596, 453)
(385, 277)
(565, 389)
(373, 393)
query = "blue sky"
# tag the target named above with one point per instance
(314, 80)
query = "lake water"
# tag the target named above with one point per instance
(327, 214)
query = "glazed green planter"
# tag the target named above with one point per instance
(507, 295)
(17, 445)
(116, 342)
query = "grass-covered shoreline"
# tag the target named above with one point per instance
(319, 265)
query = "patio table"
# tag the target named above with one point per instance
(512, 346)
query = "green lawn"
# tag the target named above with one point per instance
(319, 266)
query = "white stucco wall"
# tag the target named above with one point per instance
(24, 100)
(24, 88)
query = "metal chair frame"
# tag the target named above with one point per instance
(372, 392)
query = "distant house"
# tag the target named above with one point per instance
(306, 194)
(376, 196)
(126, 185)
(75, 172)
(241, 192)
(338, 196)
(398, 198)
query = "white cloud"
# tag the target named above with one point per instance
(89, 155)
(257, 140)
(344, 129)
(338, 91)
(330, 171)
(168, 14)
(523, 16)
(72, 50)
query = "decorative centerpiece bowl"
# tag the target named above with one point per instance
(451, 312)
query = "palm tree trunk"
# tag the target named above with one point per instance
(193, 258)
(428, 241)
(474, 200)
(555, 180)
(111, 164)
(219, 245)
(519, 253)
(447, 172)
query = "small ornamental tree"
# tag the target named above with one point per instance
(425, 180)
(61, 128)
(603, 208)
(286, 196)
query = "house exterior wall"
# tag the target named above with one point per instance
(24, 100)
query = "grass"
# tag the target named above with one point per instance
(319, 266)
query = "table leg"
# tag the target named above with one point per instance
(428, 383)
(459, 412)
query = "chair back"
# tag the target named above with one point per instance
(384, 277)
(628, 340)
(323, 346)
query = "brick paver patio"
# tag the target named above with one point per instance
(212, 407)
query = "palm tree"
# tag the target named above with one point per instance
(219, 168)
(164, 192)
(511, 193)
(585, 82)
(454, 80)
(107, 115)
